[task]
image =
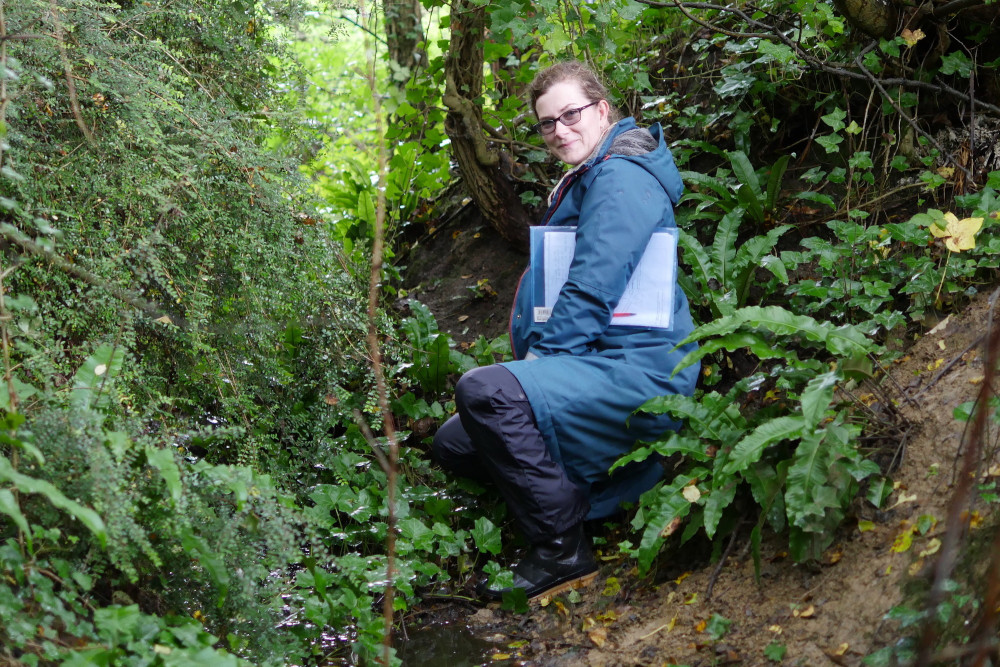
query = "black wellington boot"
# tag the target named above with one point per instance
(558, 564)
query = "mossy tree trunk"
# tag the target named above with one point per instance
(485, 169)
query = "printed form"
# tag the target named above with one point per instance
(648, 300)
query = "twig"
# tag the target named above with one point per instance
(374, 292)
(650, 634)
(837, 69)
(912, 123)
(949, 366)
(722, 561)
(151, 309)
(74, 101)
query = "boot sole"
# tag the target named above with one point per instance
(579, 582)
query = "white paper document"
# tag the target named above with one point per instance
(648, 300)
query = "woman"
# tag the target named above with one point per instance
(547, 428)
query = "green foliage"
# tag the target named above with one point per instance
(795, 455)
(722, 274)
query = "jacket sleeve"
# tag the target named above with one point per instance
(621, 206)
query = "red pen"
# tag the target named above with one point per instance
(624, 315)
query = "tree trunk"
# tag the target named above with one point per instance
(485, 169)
(876, 18)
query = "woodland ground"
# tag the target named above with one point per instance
(829, 613)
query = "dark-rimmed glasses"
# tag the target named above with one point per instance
(567, 118)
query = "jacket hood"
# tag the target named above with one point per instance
(621, 142)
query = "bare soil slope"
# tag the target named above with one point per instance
(831, 613)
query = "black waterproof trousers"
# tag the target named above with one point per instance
(494, 438)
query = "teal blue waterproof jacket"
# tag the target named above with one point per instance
(584, 378)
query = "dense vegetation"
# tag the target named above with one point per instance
(192, 469)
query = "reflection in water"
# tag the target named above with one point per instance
(436, 645)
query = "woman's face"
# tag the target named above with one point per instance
(572, 143)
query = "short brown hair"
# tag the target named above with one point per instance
(570, 70)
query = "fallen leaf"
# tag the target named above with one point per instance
(700, 627)
(834, 557)
(911, 37)
(776, 629)
(915, 567)
(958, 234)
(462, 318)
(690, 598)
(691, 493)
(864, 525)
(808, 612)
(904, 539)
(941, 345)
(932, 548)
(682, 577)
(599, 636)
(500, 656)
(611, 587)
(608, 617)
(164, 320)
(940, 326)
(588, 623)
(466, 276)
(903, 498)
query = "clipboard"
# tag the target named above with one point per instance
(648, 300)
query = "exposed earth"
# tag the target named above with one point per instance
(830, 613)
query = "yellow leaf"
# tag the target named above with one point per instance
(562, 608)
(671, 624)
(588, 623)
(164, 320)
(462, 318)
(958, 234)
(608, 617)
(500, 656)
(932, 548)
(941, 345)
(911, 37)
(915, 567)
(599, 636)
(842, 649)
(611, 587)
(691, 493)
(864, 526)
(808, 612)
(903, 498)
(690, 598)
(776, 629)
(701, 626)
(682, 577)
(904, 540)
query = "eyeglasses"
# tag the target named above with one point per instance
(567, 118)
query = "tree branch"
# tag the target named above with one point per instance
(837, 69)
